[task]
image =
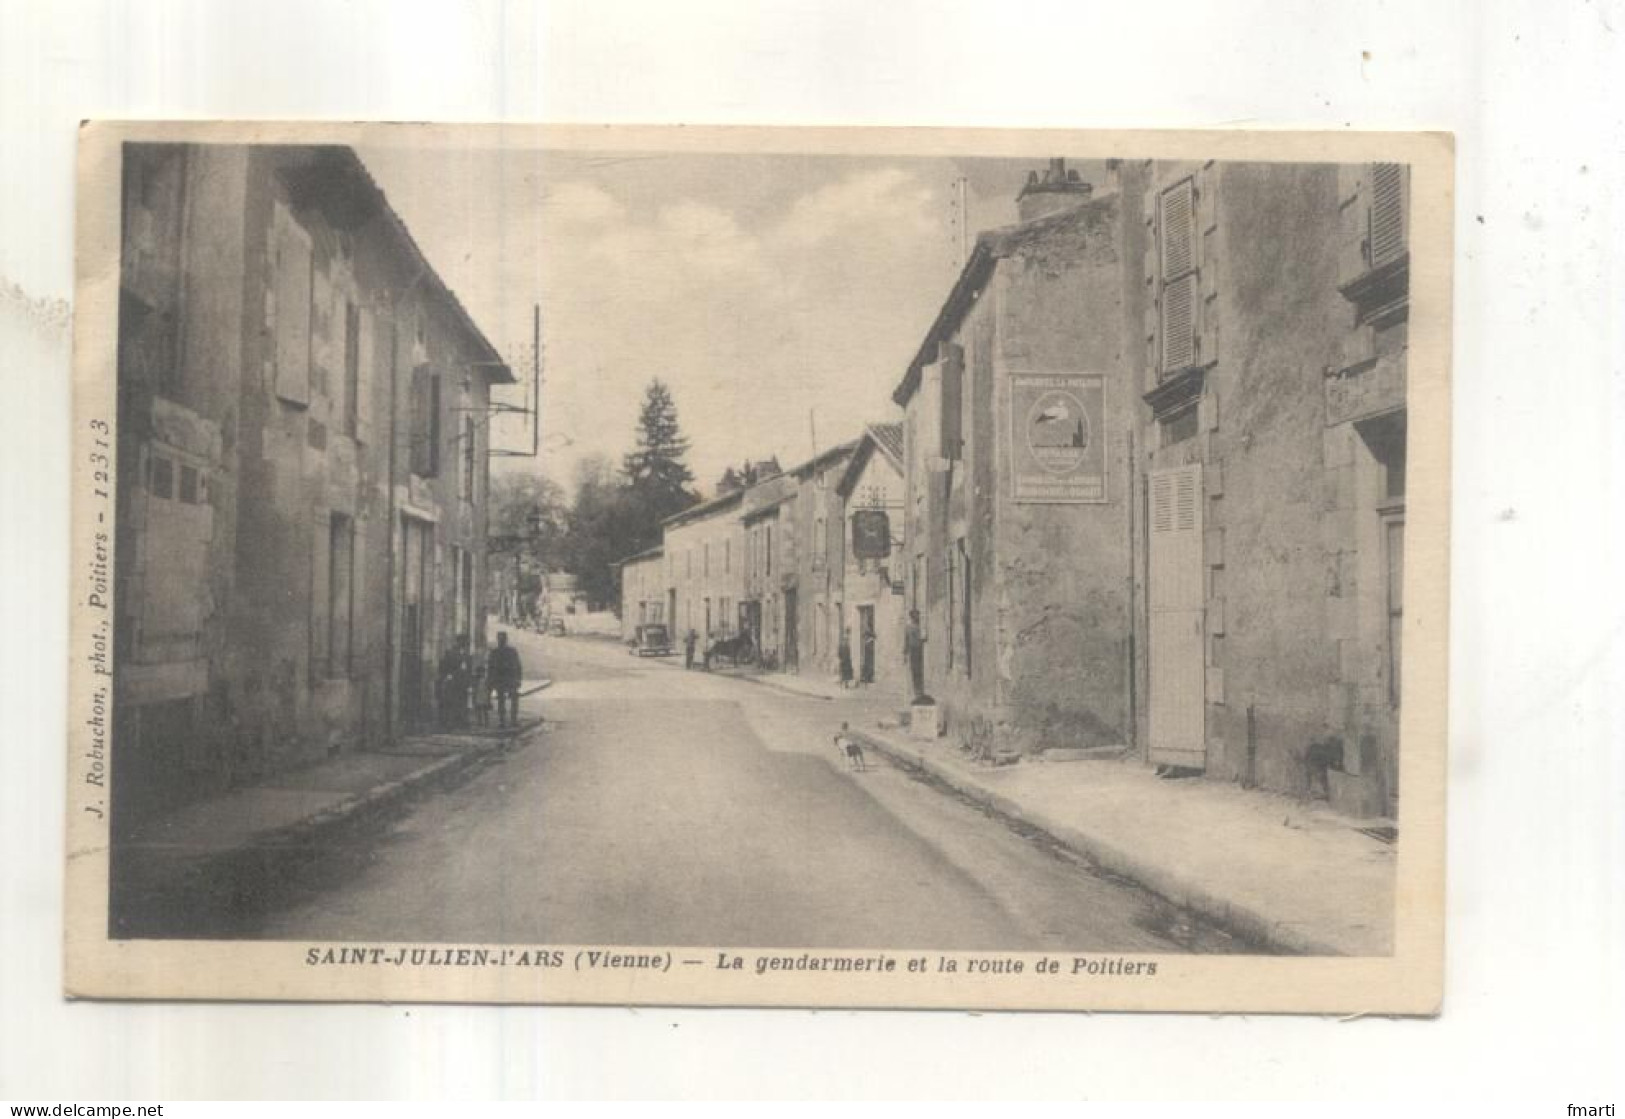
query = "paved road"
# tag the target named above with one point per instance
(674, 808)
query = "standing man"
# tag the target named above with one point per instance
(844, 656)
(503, 673)
(690, 639)
(867, 675)
(914, 652)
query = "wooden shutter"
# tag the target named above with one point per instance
(953, 374)
(1178, 230)
(1179, 324)
(1387, 213)
(420, 422)
(367, 378)
(292, 312)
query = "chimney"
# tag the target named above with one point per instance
(1055, 190)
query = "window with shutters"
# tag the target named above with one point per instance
(1176, 214)
(425, 422)
(1386, 233)
(1376, 279)
(293, 266)
(352, 368)
(471, 457)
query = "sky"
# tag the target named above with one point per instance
(778, 296)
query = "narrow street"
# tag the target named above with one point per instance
(668, 807)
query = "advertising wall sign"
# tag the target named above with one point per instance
(1058, 438)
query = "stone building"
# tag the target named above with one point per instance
(704, 570)
(643, 592)
(769, 607)
(871, 494)
(302, 466)
(1274, 357)
(1154, 464)
(819, 601)
(1017, 483)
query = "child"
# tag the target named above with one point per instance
(482, 694)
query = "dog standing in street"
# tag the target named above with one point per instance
(852, 749)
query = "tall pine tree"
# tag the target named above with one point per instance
(655, 471)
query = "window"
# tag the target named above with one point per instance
(1385, 240)
(820, 543)
(768, 548)
(163, 478)
(465, 596)
(425, 422)
(293, 293)
(727, 558)
(1386, 438)
(1179, 426)
(352, 368)
(189, 486)
(471, 443)
(340, 594)
(1176, 208)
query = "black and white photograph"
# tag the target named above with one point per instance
(761, 566)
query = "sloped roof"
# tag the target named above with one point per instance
(991, 246)
(341, 161)
(889, 438)
(885, 438)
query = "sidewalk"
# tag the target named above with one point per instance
(290, 809)
(1277, 871)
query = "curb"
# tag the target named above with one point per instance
(1236, 918)
(302, 832)
(778, 687)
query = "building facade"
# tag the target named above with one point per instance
(871, 496)
(643, 592)
(302, 462)
(1154, 474)
(820, 563)
(1016, 519)
(770, 609)
(704, 576)
(1275, 471)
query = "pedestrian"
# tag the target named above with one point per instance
(844, 655)
(914, 653)
(868, 639)
(690, 639)
(480, 689)
(453, 678)
(503, 673)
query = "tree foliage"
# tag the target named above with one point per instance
(529, 514)
(655, 471)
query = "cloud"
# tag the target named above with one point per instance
(887, 200)
(756, 318)
(579, 203)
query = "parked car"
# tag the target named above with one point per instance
(556, 627)
(651, 641)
